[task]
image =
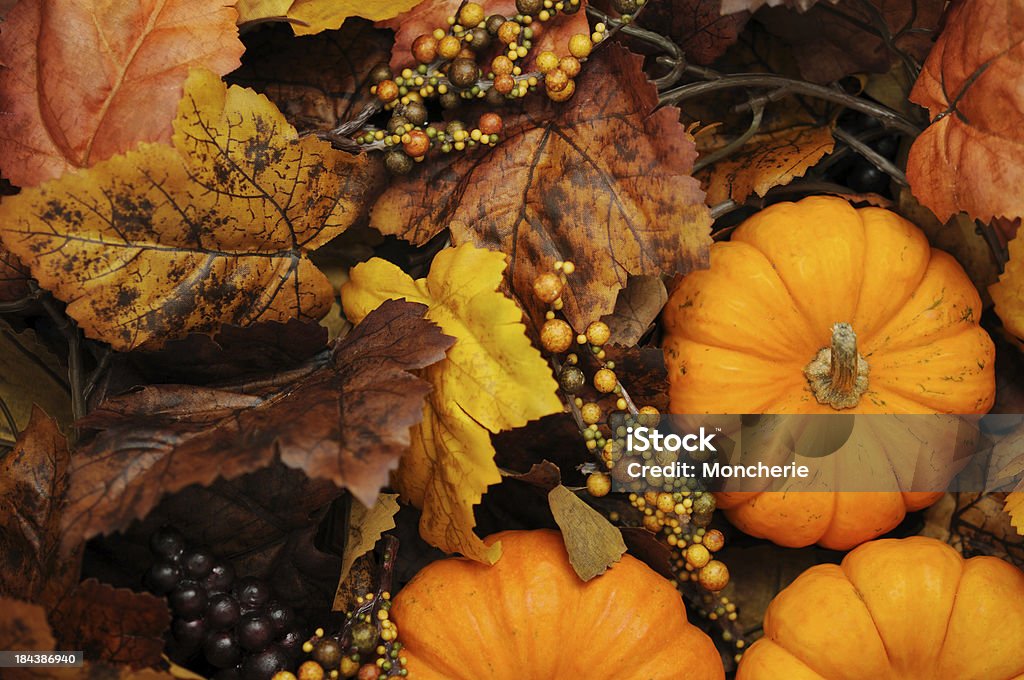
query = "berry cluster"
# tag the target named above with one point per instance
(448, 68)
(233, 626)
(675, 509)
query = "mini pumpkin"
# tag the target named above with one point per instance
(817, 307)
(530, 617)
(909, 609)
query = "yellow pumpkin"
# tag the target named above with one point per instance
(817, 307)
(910, 609)
(530, 617)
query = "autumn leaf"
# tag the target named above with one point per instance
(769, 159)
(365, 527)
(313, 16)
(1008, 293)
(1015, 509)
(317, 81)
(831, 42)
(346, 421)
(732, 6)
(602, 180)
(14, 277)
(112, 625)
(492, 380)
(88, 79)
(36, 563)
(431, 14)
(161, 242)
(30, 375)
(969, 158)
(593, 543)
(637, 307)
(698, 26)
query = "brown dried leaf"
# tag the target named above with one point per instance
(834, 41)
(602, 180)
(732, 6)
(23, 627)
(88, 79)
(112, 625)
(768, 160)
(637, 307)
(970, 157)
(431, 14)
(346, 421)
(593, 543)
(365, 527)
(544, 474)
(313, 16)
(316, 81)
(14, 277)
(30, 375)
(36, 563)
(162, 241)
(698, 26)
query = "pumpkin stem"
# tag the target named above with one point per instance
(838, 375)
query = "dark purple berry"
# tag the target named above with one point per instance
(198, 563)
(262, 666)
(162, 577)
(253, 593)
(291, 643)
(867, 178)
(221, 650)
(254, 632)
(168, 543)
(220, 578)
(188, 600)
(189, 634)
(223, 611)
(281, 617)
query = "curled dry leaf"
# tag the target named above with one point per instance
(30, 375)
(365, 527)
(88, 79)
(165, 241)
(971, 158)
(602, 180)
(36, 563)
(112, 625)
(593, 543)
(768, 160)
(637, 307)
(1008, 293)
(431, 14)
(492, 380)
(346, 421)
(313, 16)
(834, 41)
(316, 81)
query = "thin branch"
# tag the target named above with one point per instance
(885, 115)
(734, 145)
(875, 158)
(12, 425)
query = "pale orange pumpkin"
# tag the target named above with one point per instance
(910, 609)
(817, 307)
(530, 617)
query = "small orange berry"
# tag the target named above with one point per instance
(547, 61)
(448, 47)
(556, 336)
(491, 124)
(424, 48)
(387, 91)
(599, 484)
(502, 65)
(504, 83)
(580, 46)
(546, 287)
(598, 333)
(556, 80)
(698, 555)
(417, 144)
(563, 94)
(471, 14)
(714, 540)
(714, 576)
(571, 66)
(605, 380)
(509, 31)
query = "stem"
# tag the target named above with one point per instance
(875, 158)
(838, 375)
(885, 115)
(734, 145)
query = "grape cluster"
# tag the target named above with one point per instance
(232, 625)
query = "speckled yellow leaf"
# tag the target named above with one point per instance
(313, 16)
(164, 241)
(492, 380)
(1015, 509)
(1008, 293)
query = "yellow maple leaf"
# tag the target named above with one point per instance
(313, 16)
(1008, 293)
(1015, 509)
(164, 241)
(492, 380)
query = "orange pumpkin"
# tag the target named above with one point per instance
(817, 307)
(530, 617)
(910, 609)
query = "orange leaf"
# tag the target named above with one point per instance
(88, 79)
(971, 157)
